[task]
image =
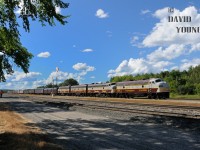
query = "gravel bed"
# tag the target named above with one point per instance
(177, 122)
(146, 107)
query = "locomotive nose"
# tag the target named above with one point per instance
(164, 84)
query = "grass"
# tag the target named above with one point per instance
(176, 96)
(17, 134)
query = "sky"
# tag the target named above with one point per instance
(103, 39)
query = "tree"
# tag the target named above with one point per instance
(70, 81)
(11, 49)
(50, 85)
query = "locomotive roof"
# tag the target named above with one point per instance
(99, 84)
(49, 88)
(136, 82)
(78, 86)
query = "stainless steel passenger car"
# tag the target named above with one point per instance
(39, 91)
(48, 91)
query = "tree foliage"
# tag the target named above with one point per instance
(11, 48)
(70, 81)
(67, 82)
(180, 82)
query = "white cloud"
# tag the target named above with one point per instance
(36, 3)
(61, 76)
(44, 55)
(138, 66)
(169, 45)
(58, 10)
(9, 84)
(109, 33)
(146, 11)
(101, 14)
(83, 67)
(92, 77)
(134, 41)
(87, 50)
(21, 76)
(171, 52)
(165, 33)
(20, 80)
(188, 63)
(162, 13)
(18, 11)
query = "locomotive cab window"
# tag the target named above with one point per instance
(158, 80)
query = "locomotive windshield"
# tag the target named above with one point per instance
(158, 80)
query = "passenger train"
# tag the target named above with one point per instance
(151, 88)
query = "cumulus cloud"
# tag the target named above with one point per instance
(101, 14)
(83, 67)
(44, 55)
(87, 50)
(137, 66)
(20, 80)
(165, 33)
(21, 76)
(169, 53)
(146, 11)
(135, 41)
(168, 43)
(188, 63)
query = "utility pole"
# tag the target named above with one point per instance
(57, 69)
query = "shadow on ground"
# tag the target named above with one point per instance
(187, 124)
(27, 107)
(26, 141)
(84, 134)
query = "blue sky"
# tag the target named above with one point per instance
(105, 38)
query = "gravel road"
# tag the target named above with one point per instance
(92, 131)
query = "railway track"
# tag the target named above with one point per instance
(183, 111)
(142, 111)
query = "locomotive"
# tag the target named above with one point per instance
(151, 88)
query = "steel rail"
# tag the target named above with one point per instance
(161, 110)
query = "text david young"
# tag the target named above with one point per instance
(183, 29)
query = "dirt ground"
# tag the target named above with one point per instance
(74, 129)
(17, 134)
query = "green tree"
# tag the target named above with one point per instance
(70, 81)
(11, 48)
(197, 90)
(50, 85)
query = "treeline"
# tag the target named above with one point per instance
(180, 82)
(67, 82)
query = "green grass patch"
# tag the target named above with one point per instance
(176, 96)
